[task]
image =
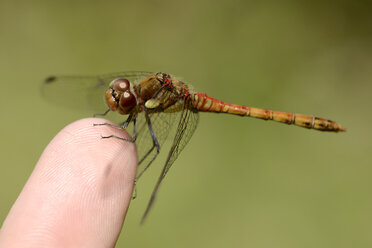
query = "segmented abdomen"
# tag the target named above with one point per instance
(205, 103)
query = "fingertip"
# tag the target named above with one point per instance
(82, 143)
(80, 189)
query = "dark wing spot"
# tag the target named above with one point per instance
(50, 79)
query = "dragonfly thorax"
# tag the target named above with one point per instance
(120, 96)
(149, 87)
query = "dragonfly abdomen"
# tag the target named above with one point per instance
(205, 103)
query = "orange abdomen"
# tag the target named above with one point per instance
(205, 103)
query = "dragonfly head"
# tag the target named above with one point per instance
(121, 96)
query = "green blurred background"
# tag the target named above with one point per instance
(240, 182)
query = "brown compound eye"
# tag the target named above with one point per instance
(127, 101)
(110, 100)
(120, 84)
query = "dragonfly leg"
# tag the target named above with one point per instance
(134, 129)
(155, 145)
(135, 190)
(102, 114)
(154, 139)
(148, 165)
(132, 140)
(124, 126)
(107, 124)
(121, 126)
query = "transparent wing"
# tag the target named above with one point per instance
(186, 127)
(161, 123)
(84, 92)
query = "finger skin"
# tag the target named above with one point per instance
(78, 193)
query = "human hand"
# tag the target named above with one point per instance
(78, 193)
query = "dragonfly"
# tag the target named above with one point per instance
(153, 103)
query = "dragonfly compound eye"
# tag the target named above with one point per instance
(111, 101)
(120, 84)
(127, 101)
